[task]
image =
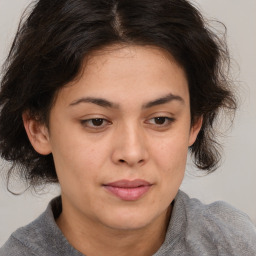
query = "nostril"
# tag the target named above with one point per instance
(123, 161)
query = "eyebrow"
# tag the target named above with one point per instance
(163, 100)
(98, 101)
(107, 104)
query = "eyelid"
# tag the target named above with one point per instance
(170, 119)
(160, 114)
(151, 121)
(85, 123)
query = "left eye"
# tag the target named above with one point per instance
(161, 120)
(95, 122)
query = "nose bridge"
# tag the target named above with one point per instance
(131, 146)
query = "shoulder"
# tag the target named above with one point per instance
(34, 238)
(218, 214)
(14, 247)
(40, 237)
(219, 225)
(25, 240)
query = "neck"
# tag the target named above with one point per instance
(96, 239)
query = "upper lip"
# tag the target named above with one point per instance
(128, 183)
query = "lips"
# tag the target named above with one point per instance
(128, 190)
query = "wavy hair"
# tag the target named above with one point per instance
(52, 42)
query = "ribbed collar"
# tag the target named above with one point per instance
(45, 237)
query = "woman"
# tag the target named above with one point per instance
(106, 98)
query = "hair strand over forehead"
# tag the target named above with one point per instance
(52, 42)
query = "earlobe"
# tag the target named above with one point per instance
(38, 134)
(195, 129)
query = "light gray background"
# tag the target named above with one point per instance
(235, 181)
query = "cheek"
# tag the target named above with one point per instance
(172, 152)
(170, 160)
(77, 159)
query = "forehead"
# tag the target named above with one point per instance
(121, 60)
(117, 72)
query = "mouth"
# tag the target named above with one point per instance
(128, 190)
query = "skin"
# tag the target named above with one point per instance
(142, 132)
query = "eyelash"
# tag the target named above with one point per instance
(167, 121)
(89, 123)
(101, 123)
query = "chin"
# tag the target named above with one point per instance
(132, 220)
(128, 224)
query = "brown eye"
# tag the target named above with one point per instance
(97, 122)
(160, 120)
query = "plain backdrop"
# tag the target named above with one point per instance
(235, 181)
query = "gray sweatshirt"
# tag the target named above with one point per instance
(195, 229)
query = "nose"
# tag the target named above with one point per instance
(130, 146)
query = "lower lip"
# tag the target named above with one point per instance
(128, 194)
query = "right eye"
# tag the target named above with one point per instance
(95, 123)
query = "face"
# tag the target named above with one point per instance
(119, 135)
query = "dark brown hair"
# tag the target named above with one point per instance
(51, 44)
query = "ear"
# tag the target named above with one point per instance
(194, 130)
(38, 134)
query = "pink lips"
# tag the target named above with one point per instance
(128, 190)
